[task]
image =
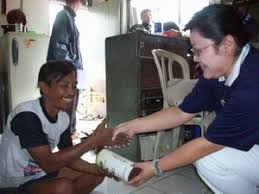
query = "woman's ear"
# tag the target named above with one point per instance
(227, 46)
(43, 87)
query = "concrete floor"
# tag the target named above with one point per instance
(180, 181)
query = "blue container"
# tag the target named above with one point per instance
(196, 131)
(158, 27)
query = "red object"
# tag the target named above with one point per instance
(3, 11)
(172, 34)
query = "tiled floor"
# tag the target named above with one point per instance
(180, 181)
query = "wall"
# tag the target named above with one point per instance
(99, 22)
(37, 14)
(95, 24)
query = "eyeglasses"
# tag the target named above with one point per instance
(198, 52)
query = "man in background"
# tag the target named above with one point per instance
(146, 25)
(64, 45)
(146, 18)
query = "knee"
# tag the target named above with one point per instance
(204, 163)
(198, 164)
(204, 169)
(64, 186)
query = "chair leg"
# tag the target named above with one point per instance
(175, 138)
(157, 144)
(175, 141)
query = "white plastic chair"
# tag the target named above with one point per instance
(173, 89)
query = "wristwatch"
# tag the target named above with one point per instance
(158, 172)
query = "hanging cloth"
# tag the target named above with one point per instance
(3, 10)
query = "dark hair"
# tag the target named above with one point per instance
(170, 26)
(216, 21)
(55, 70)
(71, 1)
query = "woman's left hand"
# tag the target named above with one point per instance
(146, 173)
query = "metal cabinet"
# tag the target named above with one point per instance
(132, 82)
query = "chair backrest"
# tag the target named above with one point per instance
(175, 89)
(176, 92)
(165, 62)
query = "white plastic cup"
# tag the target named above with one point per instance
(18, 27)
(120, 166)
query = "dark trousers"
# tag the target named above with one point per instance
(72, 113)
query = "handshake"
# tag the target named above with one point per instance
(110, 163)
(103, 137)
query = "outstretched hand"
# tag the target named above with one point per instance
(125, 128)
(104, 136)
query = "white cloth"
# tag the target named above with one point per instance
(231, 171)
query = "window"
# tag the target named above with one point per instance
(178, 11)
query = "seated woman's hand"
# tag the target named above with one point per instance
(104, 136)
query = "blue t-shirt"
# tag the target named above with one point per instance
(237, 107)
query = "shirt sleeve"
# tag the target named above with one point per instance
(65, 139)
(202, 97)
(27, 126)
(59, 42)
(237, 124)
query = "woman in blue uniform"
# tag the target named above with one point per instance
(227, 156)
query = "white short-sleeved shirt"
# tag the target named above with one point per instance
(28, 126)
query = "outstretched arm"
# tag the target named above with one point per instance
(54, 161)
(164, 119)
(66, 157)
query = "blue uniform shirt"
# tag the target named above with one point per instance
(237, 107)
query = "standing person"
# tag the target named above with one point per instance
(64, 45)
(227, 156)
(34, 128)
(146, 22)
(146, 18)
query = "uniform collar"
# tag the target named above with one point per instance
(236, 67)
